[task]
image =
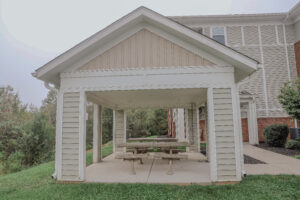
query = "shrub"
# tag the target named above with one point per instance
(292, 144)
(275, 135)
(298, 139)
(14, 162)
(38, 142)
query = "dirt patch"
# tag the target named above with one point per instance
(280, 150)
(250, 160)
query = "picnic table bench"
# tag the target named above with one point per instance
(152, 139)
(170, 153)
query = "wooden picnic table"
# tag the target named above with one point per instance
(153, 144)
(152, 139)
(135, 155)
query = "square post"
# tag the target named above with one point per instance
(97, 133)
(58, 138)
(82, 135)
(119, 130)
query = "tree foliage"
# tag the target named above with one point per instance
(26, 133)
(146, 122)
(290, 98)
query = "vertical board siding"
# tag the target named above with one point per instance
(145, 49)
(224, 131)
(70, 136)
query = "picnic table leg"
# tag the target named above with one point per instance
(132, 168)
(135, 152)
(170, 170)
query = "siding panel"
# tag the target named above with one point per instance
(70, 136)
(145, 49)
(225, 148)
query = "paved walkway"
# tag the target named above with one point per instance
(275, 163)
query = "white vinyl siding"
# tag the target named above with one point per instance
(224, 131)
(70, 136)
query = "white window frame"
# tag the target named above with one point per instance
(225, 33)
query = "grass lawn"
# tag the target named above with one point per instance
(106, 150)
(298, 157)
(35, 183)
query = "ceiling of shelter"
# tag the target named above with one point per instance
(168, 98)
(145, 49)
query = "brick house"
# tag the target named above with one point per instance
(273, 39)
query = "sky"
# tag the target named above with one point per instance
(33, 32)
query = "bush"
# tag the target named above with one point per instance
(293, 144)
(38, 142)
(14, 162)
(275, 135)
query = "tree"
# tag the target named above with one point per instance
(38, 140)
(12, 116)
(290, 98)
(49, 106)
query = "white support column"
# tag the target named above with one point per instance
(240, 129)
(97, 133)
(197, 121)
(212, 136)
(180, 125)
(193, 129)
(82, 135)
(207, 132)
(252, 123)
(58, 145)
(114, 131)
(119, 129)
(237, 131)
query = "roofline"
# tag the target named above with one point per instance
(292, 16)
(134, 17)
(35, 73)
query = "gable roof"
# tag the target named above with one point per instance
(50, 71)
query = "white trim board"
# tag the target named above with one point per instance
(144, 79)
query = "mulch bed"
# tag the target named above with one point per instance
(250, 160)
(280, 150)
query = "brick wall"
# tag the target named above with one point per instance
(245, 130)
(261, 123)
(297, 55)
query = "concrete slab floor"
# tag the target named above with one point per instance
(112, 170)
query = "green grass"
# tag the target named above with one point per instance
(107, 149)
(298, 156)
(35, 183)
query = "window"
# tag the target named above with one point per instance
(218, 34)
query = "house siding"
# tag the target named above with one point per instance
(70, 136)
(224, 132)
(145, 49)
(273, 46)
